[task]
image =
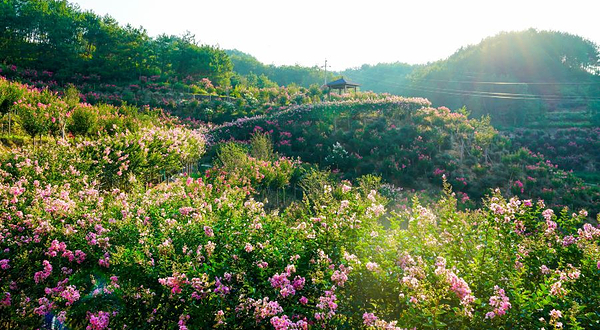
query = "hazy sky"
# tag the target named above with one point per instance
(349, 33)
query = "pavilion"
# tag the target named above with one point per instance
(341, 84)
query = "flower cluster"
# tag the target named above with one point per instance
(500, 302)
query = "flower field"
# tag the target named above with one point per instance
(412, 145)
(202, 253)
(150, 181)
(103, 229)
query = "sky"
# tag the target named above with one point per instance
(349, 33)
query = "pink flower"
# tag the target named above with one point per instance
(346, 188)
(45, 306)
(284, 323)
(263, 308)
(568, 240)
(327, 305)
(544, 269)
(556, 289)
(548, 214)
(341, 276)
(248, 248)
(4, 264)
(71, 294)
(500, 302)
(220, 288)
(369, 319)
(186, 210)
(6, 300)
(42, 275)
(299, 282)
(99, 321)
(80, 255)
(281, 282)
(104, 262)
(372, 266)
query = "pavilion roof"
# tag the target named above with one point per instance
(341, 83)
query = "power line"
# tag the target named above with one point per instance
(483, 94)
(541, 96)
(530, 97)
(508, 83)
(488, 82)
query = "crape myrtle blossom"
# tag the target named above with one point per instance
(327, 305)
(284, 323)
(500, 302)
(261, 309)
(42, 275)
(555, 315)
(340, 276)
(372, 266)
(370, 320)
(285, 285)
(458, 285)
(98, 321)
(6, 300)
(70, 294)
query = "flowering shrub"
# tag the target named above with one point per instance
(92, 237)
(413, 145)
(40, 112)
(171, 255)
(570, 148)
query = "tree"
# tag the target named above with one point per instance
(71, 98)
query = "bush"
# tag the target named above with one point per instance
(84, 121)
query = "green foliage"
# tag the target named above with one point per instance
(83, 121)
(9, 94)
(184, 250)
(71, 96)
(412, 145)
(315, 184)
(61, 38)
(231, 157)
(383, 77)
(518, 78)
(261, 146)
(259, 74)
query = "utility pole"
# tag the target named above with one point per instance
(325, 72)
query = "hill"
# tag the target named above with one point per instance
(413, 145)
(100, 229)
(58, 37)
(524, 78)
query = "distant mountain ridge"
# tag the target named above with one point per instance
(511, 76)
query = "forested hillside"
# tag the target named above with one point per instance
(260, 74)
(519, 78)
(58, 37)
